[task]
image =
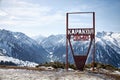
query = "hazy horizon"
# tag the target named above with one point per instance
(40, 35)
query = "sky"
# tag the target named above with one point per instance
(47, 17)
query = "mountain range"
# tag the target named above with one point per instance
(42, 49)
(20, 46)
(107, 48)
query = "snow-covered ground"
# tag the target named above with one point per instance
(18, 74)
(17, 61)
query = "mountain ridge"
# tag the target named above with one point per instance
(107, 50)
(20, 46)
(52, 48)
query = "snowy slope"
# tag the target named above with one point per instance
(17, 61)
(107, 48)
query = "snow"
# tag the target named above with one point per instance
(17, 61)
(64, 55)
(116, 36)
(18, 74)
(50, 44)
(38, 38)
(109, 38)
(51, 53)
(18, 45)
(16, 36)
(116, 72)
(98, 40)
(51, 57)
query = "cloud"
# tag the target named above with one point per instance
(24, 12)
(45, 17)
(2, 13)
(19, 15)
